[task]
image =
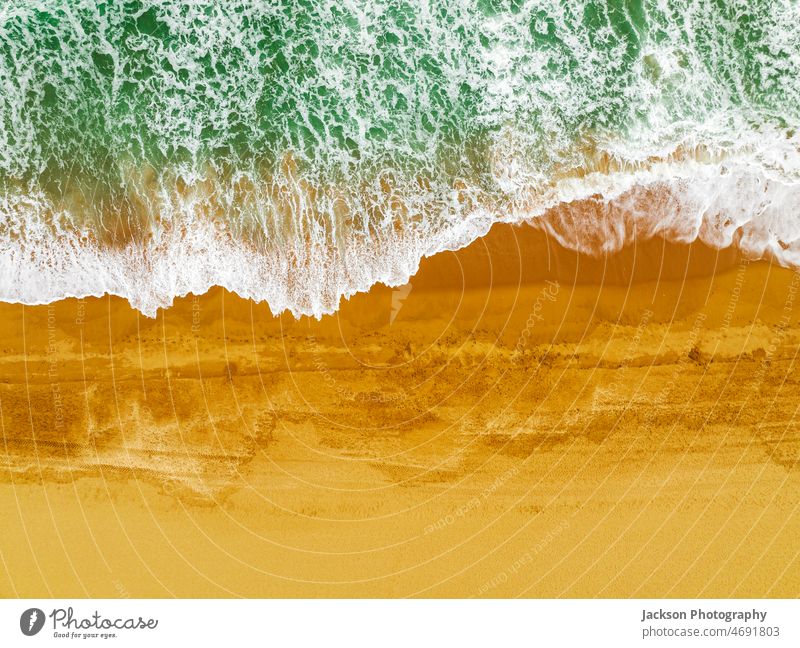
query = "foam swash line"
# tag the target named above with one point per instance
(299, 152)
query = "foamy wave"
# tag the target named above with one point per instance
(299, 152)
(38, 265)
(749, 197)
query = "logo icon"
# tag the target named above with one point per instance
(31, 621)
(399, 295)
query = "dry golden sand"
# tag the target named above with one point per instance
(521, 421)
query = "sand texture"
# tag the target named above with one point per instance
(517, 421)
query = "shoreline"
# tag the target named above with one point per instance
(613, 426)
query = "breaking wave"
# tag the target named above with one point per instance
(298, 152)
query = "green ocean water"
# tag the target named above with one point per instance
(107, 108)
(358, 87)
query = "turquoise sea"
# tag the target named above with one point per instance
(298, 151)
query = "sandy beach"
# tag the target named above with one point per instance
(519, 420)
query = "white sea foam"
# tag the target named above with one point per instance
(748, 196)
(676, 119)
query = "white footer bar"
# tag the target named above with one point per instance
(401, 624)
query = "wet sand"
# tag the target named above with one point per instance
(519, 420)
